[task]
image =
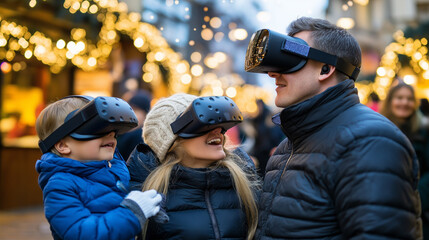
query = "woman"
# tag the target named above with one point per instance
(210, 191)
(401, 107)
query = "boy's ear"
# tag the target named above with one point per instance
(62, 147)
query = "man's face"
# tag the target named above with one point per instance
(298, 86)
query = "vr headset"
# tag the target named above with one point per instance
(96, 119)
(269, 51)
(205, 114)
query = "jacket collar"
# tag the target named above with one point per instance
(302, 119)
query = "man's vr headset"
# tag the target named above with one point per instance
(205, 114)
(269, 51)
(97, 118)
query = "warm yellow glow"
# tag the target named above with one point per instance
(3, 42)
(207, 34)
(191, 43)
(80, 46)
(215, 22)
(410, 79)
(148, 77)
(381, 71)
(240, 33)
(251, 107)
(206, 18)
(417, 56)
(181, 68)
(197, 70)
(93, 9)
(39, 50)
(219, 36)
(32, 3)
(424, 64)
(159, 56)
(263, 16)
(346, 23)
(28, 54)
(217, 91)
(220, 57)
(211, 62)
(426, 75)
(92, 61)
(61, 44)
(5, 67)
(384, 82)
(16, 66)
(361, 2)
(186, 79)
(231, 92)
(196, 57)
(138, 42)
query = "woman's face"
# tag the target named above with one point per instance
(204, 150)
(403, 103)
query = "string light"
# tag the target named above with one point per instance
(116, 20)
(390, 67)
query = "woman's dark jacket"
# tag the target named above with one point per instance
(201, 203)
(344, 172)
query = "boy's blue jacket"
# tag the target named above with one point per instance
(82, 199)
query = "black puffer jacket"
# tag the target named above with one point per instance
(201, 203)
(344, 172)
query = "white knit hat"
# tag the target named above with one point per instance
(157, 132)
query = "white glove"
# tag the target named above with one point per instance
(148, 201)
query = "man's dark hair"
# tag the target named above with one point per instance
(329, 38)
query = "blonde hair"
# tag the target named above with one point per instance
(54, 114)
(243, 182)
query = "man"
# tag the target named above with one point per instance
(344, 171)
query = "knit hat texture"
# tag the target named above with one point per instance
(157, 132)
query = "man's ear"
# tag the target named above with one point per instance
(62, 147)
(326, 72)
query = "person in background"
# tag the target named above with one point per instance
(424, 106)
(402, 108)
(140, 102)
(373, 101)
(210, 191)
(261, 136)
(84, 183)
(344, 171)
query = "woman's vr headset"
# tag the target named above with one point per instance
(269, 51)
(97, 118)
(205, 114)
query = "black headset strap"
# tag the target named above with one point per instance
(67, 128)
(181, 122)
(308, 52)
(340, 64)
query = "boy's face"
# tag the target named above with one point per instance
(98, 149)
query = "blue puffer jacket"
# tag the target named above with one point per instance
(344, 172)
(82, 200)
(201, 203)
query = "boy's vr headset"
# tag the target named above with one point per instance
(205, 114)
(97, 118)
(269, 51)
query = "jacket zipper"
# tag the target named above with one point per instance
(274, 194)
(287, 163)
(211, 212)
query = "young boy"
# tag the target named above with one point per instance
(84, 181)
